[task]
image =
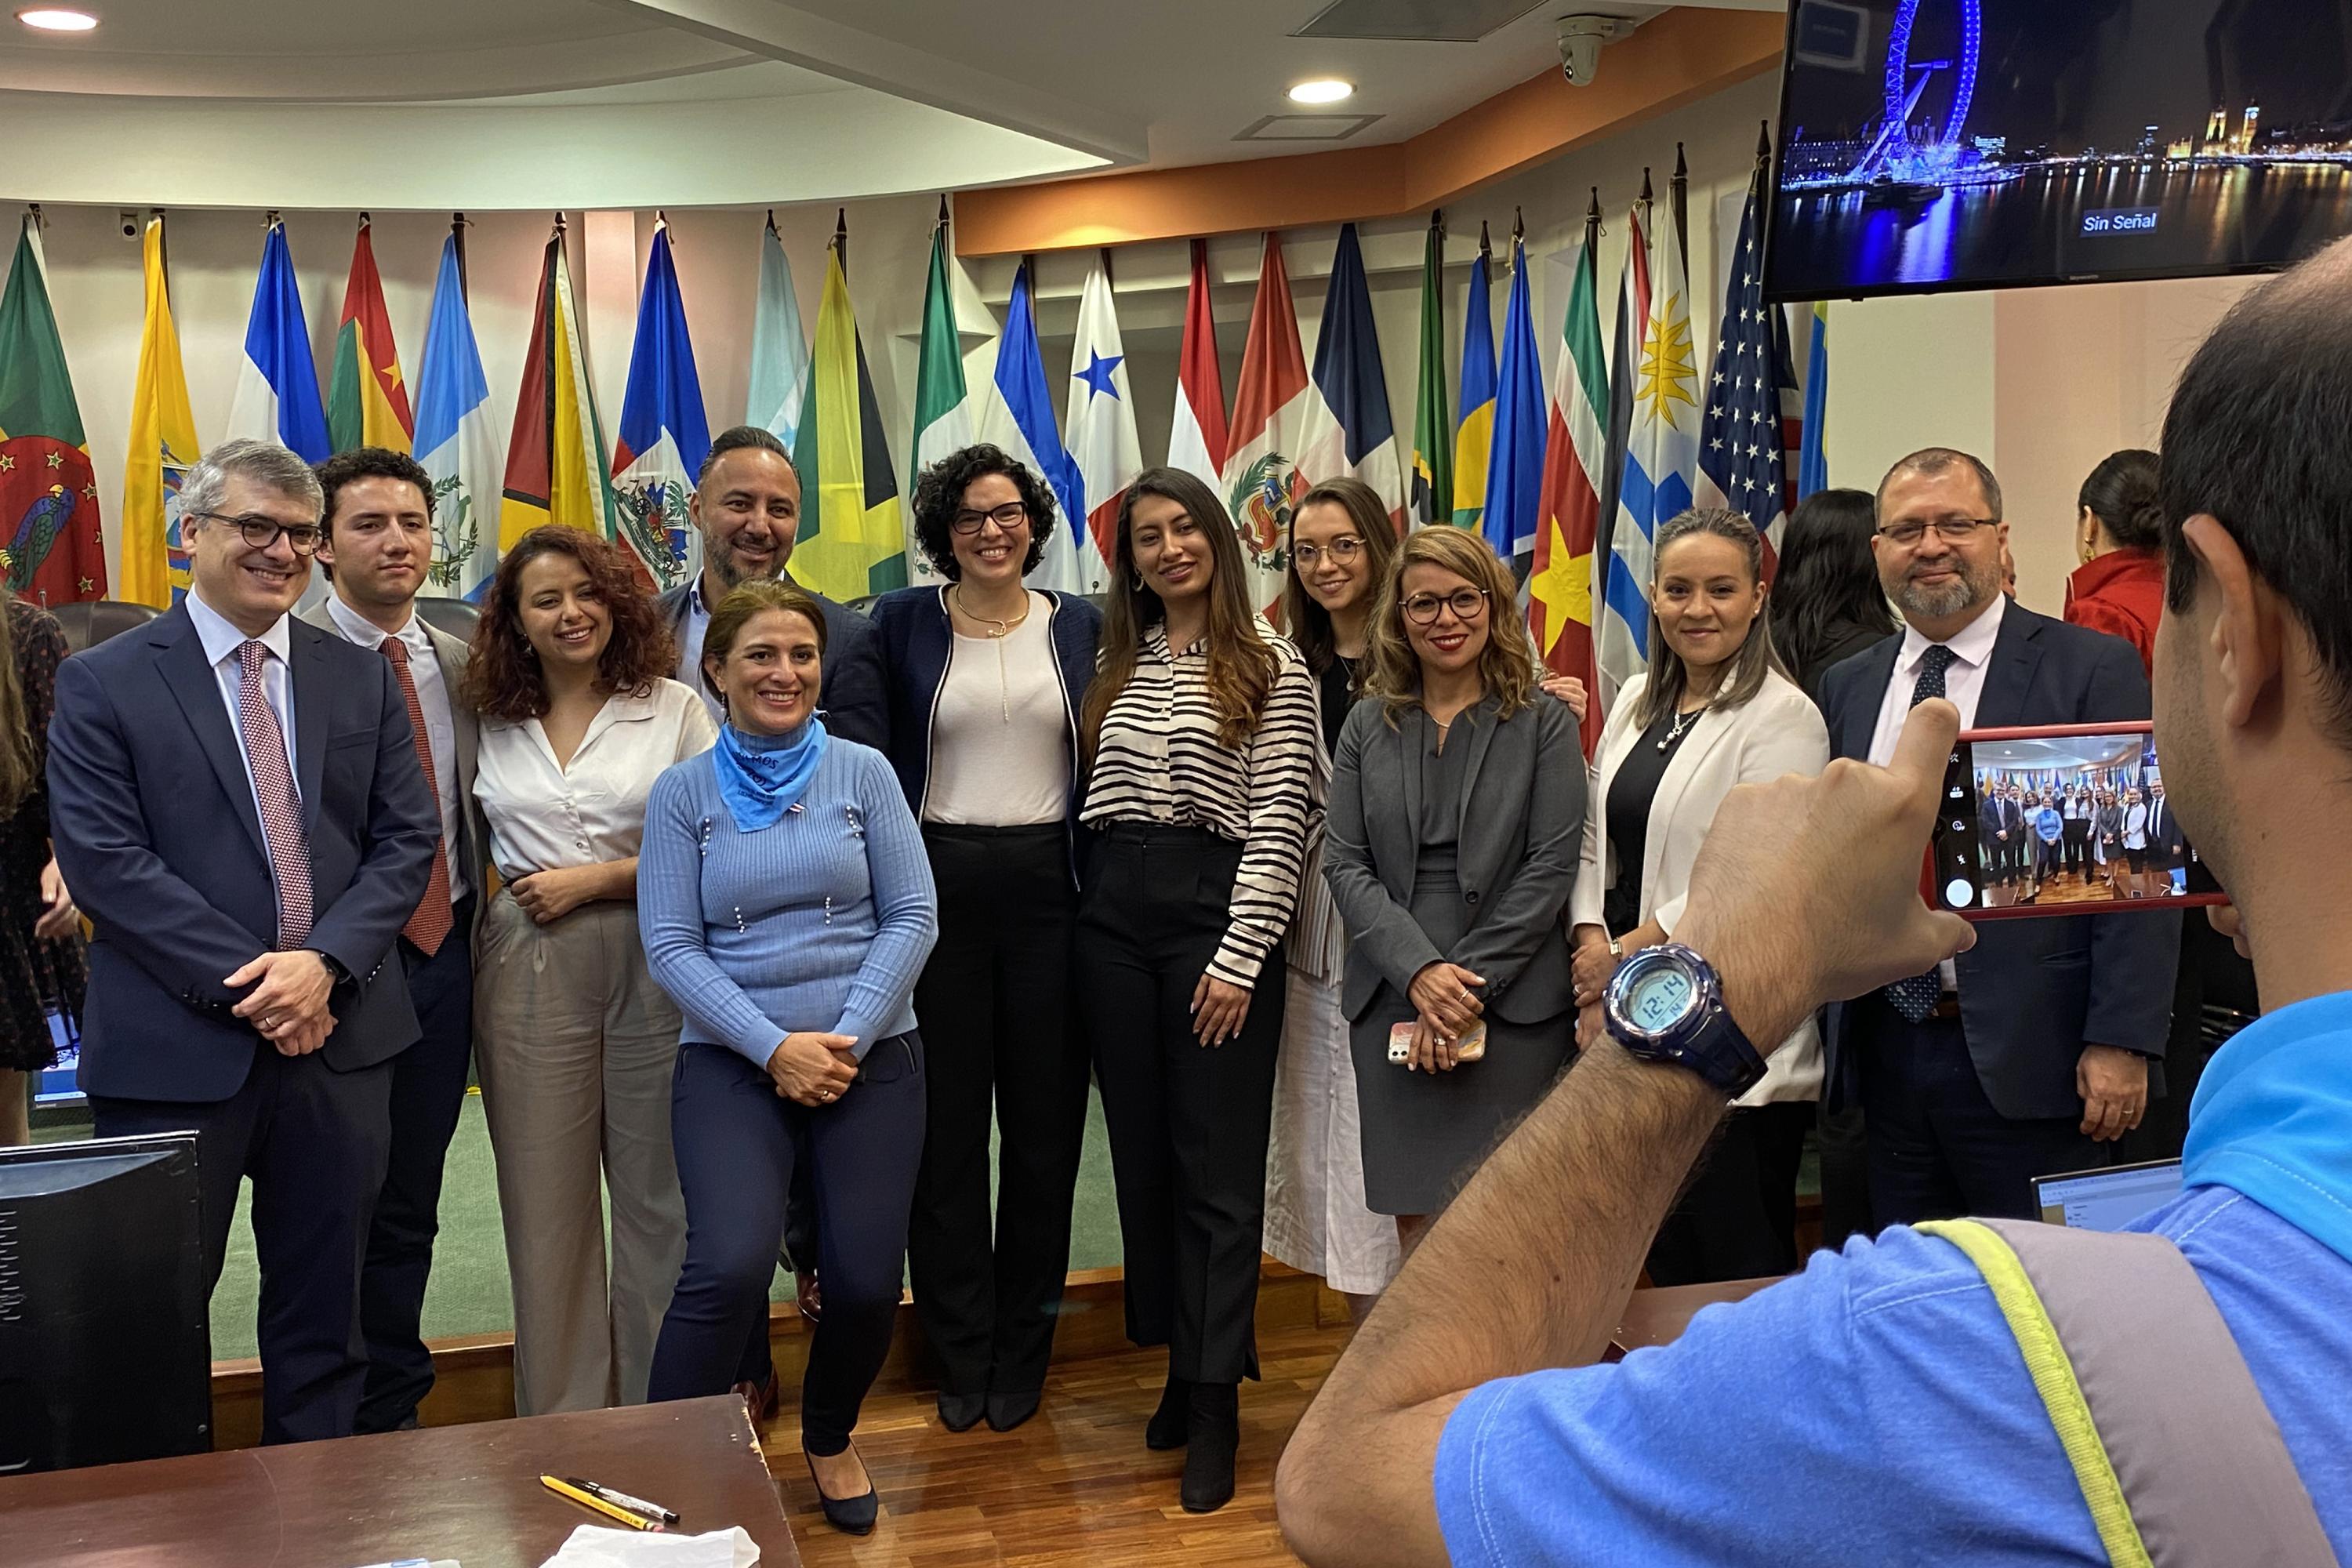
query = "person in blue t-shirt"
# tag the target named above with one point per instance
(1877, 1408)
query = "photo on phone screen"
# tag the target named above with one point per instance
(2063, 820)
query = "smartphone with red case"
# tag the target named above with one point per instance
(2061, 819)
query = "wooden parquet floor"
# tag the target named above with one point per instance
(1074, 1485)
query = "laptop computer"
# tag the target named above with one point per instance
(2107, 1199)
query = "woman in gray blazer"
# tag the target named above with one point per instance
(1456, 825)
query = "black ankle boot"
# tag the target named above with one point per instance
(1216, 1423)
(1171, 1425)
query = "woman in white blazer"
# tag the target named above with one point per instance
(1717, 709)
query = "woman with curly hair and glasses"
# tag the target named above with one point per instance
(573, 1041)
(980, 680)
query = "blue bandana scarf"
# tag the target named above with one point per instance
(760, 777)
(2273, 1119)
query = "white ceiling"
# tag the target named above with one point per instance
(495, 103)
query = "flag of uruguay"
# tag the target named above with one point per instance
(278, 385)
(1019, 417)
(458, 441)
(1661, 458)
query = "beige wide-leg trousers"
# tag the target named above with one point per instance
(575, 1045)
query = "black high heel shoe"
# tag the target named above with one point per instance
(1216, 1423)
(851, 1516)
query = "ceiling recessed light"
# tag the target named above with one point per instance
(1322, 89)
(49, 19)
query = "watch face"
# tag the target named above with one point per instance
(1659, 998)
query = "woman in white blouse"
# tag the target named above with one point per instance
(1203, 782)
(1715, 711)
(573, 1041)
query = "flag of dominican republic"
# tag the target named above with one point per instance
(367, 402)
(1559, 588)
(1742, 446)
(555, 458)
(1101, 418)
(456, 439)
(50, 550)
(1474, 436)
(1262, 480)
(1197, 437)
(278, 385)
(1019, 417)
(1349, 430)
(664, 433)
(1515, 459)
(779, 352)
(163, 445)
(1661, 459)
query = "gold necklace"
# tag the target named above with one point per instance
(997, 628)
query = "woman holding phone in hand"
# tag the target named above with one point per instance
(1203, 787)
(786, 903)
(1457, 811)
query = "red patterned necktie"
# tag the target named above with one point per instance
(430, 925)
(273, 782)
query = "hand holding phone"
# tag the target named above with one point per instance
(1434, 1055)
(2059, 820)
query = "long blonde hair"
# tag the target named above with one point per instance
(1506, 665)
(1242, 664)
(20, 766)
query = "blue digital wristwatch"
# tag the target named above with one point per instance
(1665, 1005)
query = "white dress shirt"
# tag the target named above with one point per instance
(1964, 681)
(221, 640)
(544, 816)
(440, 723)
(692, 632)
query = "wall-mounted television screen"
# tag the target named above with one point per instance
(1932, 145)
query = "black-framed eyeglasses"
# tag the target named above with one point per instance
(1008, 517)
(1467, 605)
(260, 532)
(1950, 530)
(1345, 550)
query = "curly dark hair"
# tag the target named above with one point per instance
(938, 495)
(368, 463)
(503, 680)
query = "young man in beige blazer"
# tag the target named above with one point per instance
(376, 549)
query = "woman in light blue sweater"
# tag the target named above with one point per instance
(786, 904)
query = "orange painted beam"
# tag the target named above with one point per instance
(1673, 59)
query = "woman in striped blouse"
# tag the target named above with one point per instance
(1200, 728)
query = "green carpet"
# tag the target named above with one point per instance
(468, 1294)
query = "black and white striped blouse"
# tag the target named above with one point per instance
(1158, 760)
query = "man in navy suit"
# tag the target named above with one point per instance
(2032, 1052)
(236, 803)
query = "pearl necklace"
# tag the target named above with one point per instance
(1681, 727)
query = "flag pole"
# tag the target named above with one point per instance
(1647, 202)
(457, 233)
(1519, 235)
(1593, 225)
(841, 238)
(1681, 187)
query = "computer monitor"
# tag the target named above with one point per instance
(105, 1347)
(2108, 1199)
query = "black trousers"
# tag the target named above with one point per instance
(1188, 1123)
(313, 1139)
(736, 1140)
(428, 1089)
(995, 1004)
(2078, 845)
(1937, 1148)
(1737, 1217)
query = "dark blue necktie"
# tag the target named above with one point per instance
(1916, 999)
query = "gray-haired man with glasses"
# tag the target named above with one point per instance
(236, 802)
(2032, 1053)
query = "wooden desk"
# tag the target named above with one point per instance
(470, 1493)
(1658, 1317)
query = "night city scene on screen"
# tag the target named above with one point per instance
(1960, 144)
